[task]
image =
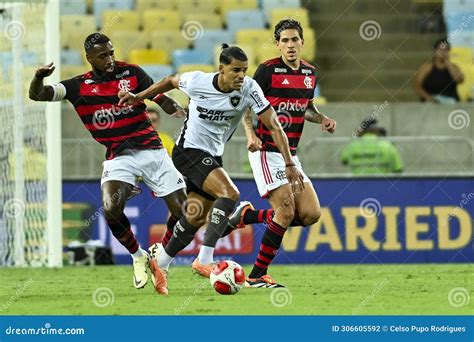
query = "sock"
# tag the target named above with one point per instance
(257, 216)
(169, 230)
(183, 234)
(271, 242)
(122, 232)
(164, 260)
(139, 253)
(206, 255)
(218, 218)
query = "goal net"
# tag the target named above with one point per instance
(30, 167)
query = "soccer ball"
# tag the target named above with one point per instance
(227, 277)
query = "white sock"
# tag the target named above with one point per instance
(139, 253)
(164, 260)
(206, 255)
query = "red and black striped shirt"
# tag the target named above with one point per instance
(95, 100)
(289, 92)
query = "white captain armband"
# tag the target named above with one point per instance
(59, 92)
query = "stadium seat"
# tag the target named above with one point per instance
(71, 57)
(72, 7)
(27, 58)
(269, 5)
(186, 7)
(157, 71)
(299, 14)
(146, 5)
(128, 40)
(161, 20)
(458, 6)
(84, 24)
(463, 39)
(70, 71)
(206, 20)
(246, 19)
(104, 5)
(181, 57)
(466, 89)
(168, 40)
(235, 5)
(309, 49)
(458, 21)
(255, 37)
(248, 49)
(211, 38)
(463, 55)
(119, 20)
(196, 67)
(148, 56)
(266, 52)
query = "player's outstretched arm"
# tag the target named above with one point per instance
(253, 142)
(312, 114)
(170, 105)
(38, 91)
(270, 120)
(166, 84)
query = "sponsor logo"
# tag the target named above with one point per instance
(207, 161)
(285, 81)
(202, 97)
(256, 97)
(180, 181)
(216, 215)
(280, 175)
(124, 85)
(125, 73)
(212, 115)
(89, 81)
(105, 174)
(306, 71)
(235, 100)
(308, 82)
(291, 106)
(281, 70)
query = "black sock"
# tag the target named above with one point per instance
(218, 218)
(183, 234)
(122, 232)
(257, 216)
(172, 220)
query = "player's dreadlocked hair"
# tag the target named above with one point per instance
(287, 24)
(95, 38)
(229, 52)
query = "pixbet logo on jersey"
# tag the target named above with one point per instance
(295, 106)
(104, 118)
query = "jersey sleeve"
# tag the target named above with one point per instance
(186, 82)
(263, 77)
(144, 80)
(65, 89)
(258, 102)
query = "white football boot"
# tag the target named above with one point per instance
(140, 274)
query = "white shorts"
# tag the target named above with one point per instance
(269, 170)
(154, 166)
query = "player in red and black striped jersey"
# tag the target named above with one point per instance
(133, 147)
(288, 83)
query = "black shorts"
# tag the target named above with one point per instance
(195, 165)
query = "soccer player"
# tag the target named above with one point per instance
(217, 104)
(134, 149)
(288, 83)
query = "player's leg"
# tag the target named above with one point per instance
(308, 209)
(175, 202)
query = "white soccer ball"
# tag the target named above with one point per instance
(227, 277)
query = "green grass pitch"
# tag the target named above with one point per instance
(311, 290)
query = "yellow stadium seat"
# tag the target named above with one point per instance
(255, 37)
(266, 52)
(142, 6)
(320, 101)
(161, 20)
(236, 5)
(309, 49)
(126, 41)
(465, 89)
(119, 20)
(206, 20)
(148, 56)
(70, 71)
(196, 67)
(186, 7)
(83, 23)
(168, 40)
(299, 14)
(118, 54)
(461, 55)
(248, 49)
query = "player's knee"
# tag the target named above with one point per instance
(311, 218)
(112, 209)
(286, 215)
(230, 192)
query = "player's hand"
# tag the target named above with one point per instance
(295, 178)
(329, 125)
(127, 98)
(45, 70)
(254, 144)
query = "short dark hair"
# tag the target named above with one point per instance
(441, 42)
(95, 38)
(229, 52)
(287, 24)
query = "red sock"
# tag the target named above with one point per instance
(169, 230)
(257, 216)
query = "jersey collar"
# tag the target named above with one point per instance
(215, 83)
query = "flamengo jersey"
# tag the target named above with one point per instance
(95, 101)
(289, 92)
(214, 115)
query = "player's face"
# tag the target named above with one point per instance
(234, 73)
(102, 58)
(290, 44)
